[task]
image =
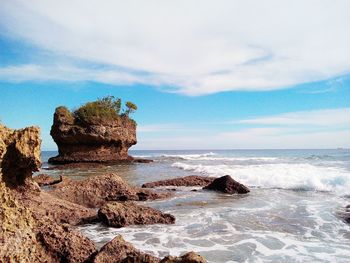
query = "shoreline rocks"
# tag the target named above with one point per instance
(95, 191)
(191, 180)
(227, 185)
(121, 214)
(46, 180)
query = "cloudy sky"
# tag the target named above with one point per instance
(205, 74)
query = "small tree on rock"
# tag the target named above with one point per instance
(130, 108)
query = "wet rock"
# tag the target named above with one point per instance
(120, 214)
(120, 251)
(97, 190)
(192, 180)
(227, 185)
(189, 257)
(63, 244)
(141, 160)
(91, 142)
(45, 180)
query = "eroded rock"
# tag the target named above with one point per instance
(190, 257)
(120, 214)
(191, 180)
(120, 251)
(227, 185)
(45, 180)
(97, 190)
(92, 142)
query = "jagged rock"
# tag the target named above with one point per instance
(97, 190)
(24, 224)
(191, 180)
(189, 257)
(60, 211)
(93, 142)
(63, 244)
(45, 180)
(19, 154)
(120, 251)
(227, 185)
(120, 214)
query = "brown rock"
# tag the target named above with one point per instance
(19, 154)
(120, 251)
(97, 190)
(60, 211)
(189, 257)
(227, 185)
(63, 244)
(192, 180)
(45, 180)
(26, 236)
(120, 214)
(91, 142)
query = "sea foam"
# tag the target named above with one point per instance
(302, 176)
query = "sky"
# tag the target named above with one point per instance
(216, 75)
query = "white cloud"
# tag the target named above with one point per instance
(197, 47)
(327, 117)
(328, 128)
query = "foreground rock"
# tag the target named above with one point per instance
(91, 142)
(97, 190)
(118, 250)
(189, 257)
(117, 214)
(63, 244)
(45, 180)
(227, 185)
(27, 235)
(192, 180)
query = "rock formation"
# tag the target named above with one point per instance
(95, 191)
(120, 214)
(227, 185)
(22, 232)
(91, 142)
(191, 180)
(118, 250)
(45, 180)
(189, 257)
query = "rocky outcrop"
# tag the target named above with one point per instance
(63, 244)
(91, 142)
(191, 180)
(45, 180)
(24, 224)
(118, 251)
(97, 190)
(227, 185)
(120, 214)
(189, 257)
(19, 155)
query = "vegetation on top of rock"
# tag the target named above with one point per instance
(102, 110)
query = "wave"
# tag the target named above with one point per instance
(282, 175)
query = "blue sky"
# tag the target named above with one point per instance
(201, 79)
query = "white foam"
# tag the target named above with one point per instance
(282, 175)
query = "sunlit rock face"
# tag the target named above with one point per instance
(93, 142)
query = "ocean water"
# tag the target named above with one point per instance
(292, 213)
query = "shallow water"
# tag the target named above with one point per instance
(290, 215)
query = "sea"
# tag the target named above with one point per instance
(292, 214)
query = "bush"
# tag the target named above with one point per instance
(102, 110)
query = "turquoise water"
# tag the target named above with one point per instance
(290, 215)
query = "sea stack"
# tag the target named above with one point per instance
(93, 139)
